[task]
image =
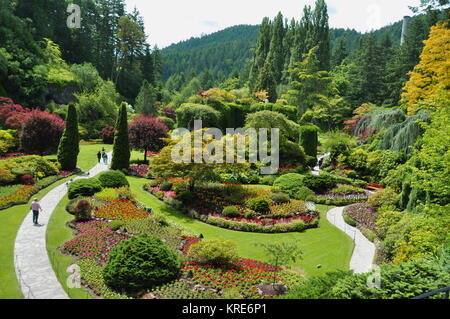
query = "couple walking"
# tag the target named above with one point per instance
(102, 155)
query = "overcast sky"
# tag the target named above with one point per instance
(171, 21)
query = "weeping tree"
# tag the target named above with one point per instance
(401, 136)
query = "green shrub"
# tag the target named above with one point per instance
(304, 193)
(121, 148)
(153, 183)
(166, 186)
(168, 122)
(231, 211)
(259, 205)
(69, 148)
(384, 197)
(279, 198)
(113, 179)
(187, 113)
(290, 183)
(320, 184)
(349, 220)
(116, 224)
(220, 253)
(140, 262)
(84, 187)
(268, 180)
(309, 140)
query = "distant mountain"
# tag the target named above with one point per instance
(228, 51)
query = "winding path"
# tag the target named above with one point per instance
(33, 268)
(364, 251)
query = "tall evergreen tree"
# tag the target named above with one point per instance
(261, 52)
(267, 82)
(121, 148)
(69, 148)
(321, 34)
(146, 100)
(340, 52)
(276, 55)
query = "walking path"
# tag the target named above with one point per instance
(33, 268)
(364, 251)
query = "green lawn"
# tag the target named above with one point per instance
(326, 246)
(12, 218)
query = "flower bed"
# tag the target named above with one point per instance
(120, 209)
(339, 199)
(94, 240)
(138, 170)
(364, 215)
(244, 277)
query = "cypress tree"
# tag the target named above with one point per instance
(261, 52)
(267, 82)
(276, 54)
(309, 139)
(321, 34)
(69, 148)
(121, 149)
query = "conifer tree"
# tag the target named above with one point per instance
(121, 148)
(146, 99)
(276, 53)
(340, 52)
(69, 148)
(267, 82)
(261, 52)
(321, 34)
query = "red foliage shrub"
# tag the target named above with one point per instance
(108, 134)
(145, 133)
(41, 132)
(27, 179)
(12, 115)
(170, 113)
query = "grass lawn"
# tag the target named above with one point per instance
(326, 246)
(12, 218)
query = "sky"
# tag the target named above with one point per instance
(171, 21)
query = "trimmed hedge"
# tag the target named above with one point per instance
(189, 112)
(295, 226)
(113, 179)
(84, 187)
(287, 110)
(290, 183)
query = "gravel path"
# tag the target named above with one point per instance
(364, 251)
(33, 268)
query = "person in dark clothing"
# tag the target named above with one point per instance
(99, 156)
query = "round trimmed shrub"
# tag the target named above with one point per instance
(84, 187)
(320, 184)
(166, 186)
(113, 179)
(188, 113)
(304, 193)
(231, 211)
(140, 262)
(290, 183)
(280, 198)
(220, 253)
(259, 205)
(268, 180)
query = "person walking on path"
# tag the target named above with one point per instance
(105, 158)
(99, 156)
(36, 207)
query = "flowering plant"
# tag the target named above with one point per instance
(120, 209)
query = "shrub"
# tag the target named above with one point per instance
(279, 198)
(6, 177)
(231, 211)
(83, 210)
(113, 179)
(27, 179)
(220, 253)
(116, 224)
(84, 187)
(290, 183)
(153, 183)
(187, 113)
(320, 184)
(268, 180)
(170, 113)
(170, 123)
(385, 197)
(41, 132)
(309, 140)
(258, 204)
(304, 193)
(140, 262)
(108, 134)
(166, 186)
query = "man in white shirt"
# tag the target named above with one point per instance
(35, 207)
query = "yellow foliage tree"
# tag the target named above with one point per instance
(432, 74)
